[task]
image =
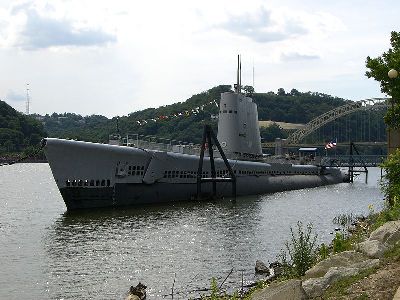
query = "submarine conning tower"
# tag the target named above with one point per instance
(238, 129)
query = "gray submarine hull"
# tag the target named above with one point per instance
(91, 175)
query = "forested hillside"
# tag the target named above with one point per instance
(294, 107)
(17, 131)
(178, 121)
(184, 120)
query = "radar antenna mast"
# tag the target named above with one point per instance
(238, 87)
(253, 75)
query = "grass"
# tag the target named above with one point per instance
(393, 255)
(389, 213)
(340, 287)
(217, 294)
(363, 296)
(301, 250)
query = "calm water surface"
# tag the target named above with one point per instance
(46, 253)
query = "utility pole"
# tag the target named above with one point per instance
(27, 99)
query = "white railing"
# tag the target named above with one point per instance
(153, 143)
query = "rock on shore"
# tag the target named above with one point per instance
(336, 267)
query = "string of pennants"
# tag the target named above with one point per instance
(185, 113)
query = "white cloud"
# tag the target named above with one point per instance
(116, 57)
(15, 96)
(260, 26)
(278, 24)
(42, 32)
(32, 27)
(295, 56)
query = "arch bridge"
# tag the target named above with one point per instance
(367, 104)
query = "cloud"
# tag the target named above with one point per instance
(15, 96)
(294, 56)
(262, 28)
(41, 31)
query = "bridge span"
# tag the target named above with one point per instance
(350, 107)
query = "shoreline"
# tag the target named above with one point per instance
(6, 160)
(364, 265)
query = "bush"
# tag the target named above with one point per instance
(340, 243)
(391, 184)
(323, 252)
(214, 289)
(390, 213)
(216, 293)
(301, 250)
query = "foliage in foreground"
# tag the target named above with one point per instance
(378, 69)
(343, 240)
(390, 213)
(217, 294)
(391, 184)
(374, 220)
(349, 236)
(301, 252)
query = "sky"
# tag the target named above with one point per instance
(116, 57)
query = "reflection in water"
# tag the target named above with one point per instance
(116, 248)
(49, 254)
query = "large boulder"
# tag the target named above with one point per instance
(315, 287)
(342, 259)
(286, 290)
(261, 268)
(330, 270)
(388, 233)
(380, 240)
(372, 248)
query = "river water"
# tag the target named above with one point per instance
(47, 253)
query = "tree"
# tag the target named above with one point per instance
(294, 92)
(270, 133)
(249, 90)
(391, 186)
(281, 92)
(379, 68)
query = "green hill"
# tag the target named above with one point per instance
(177, 121)
(183, 121)
(17, 131)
